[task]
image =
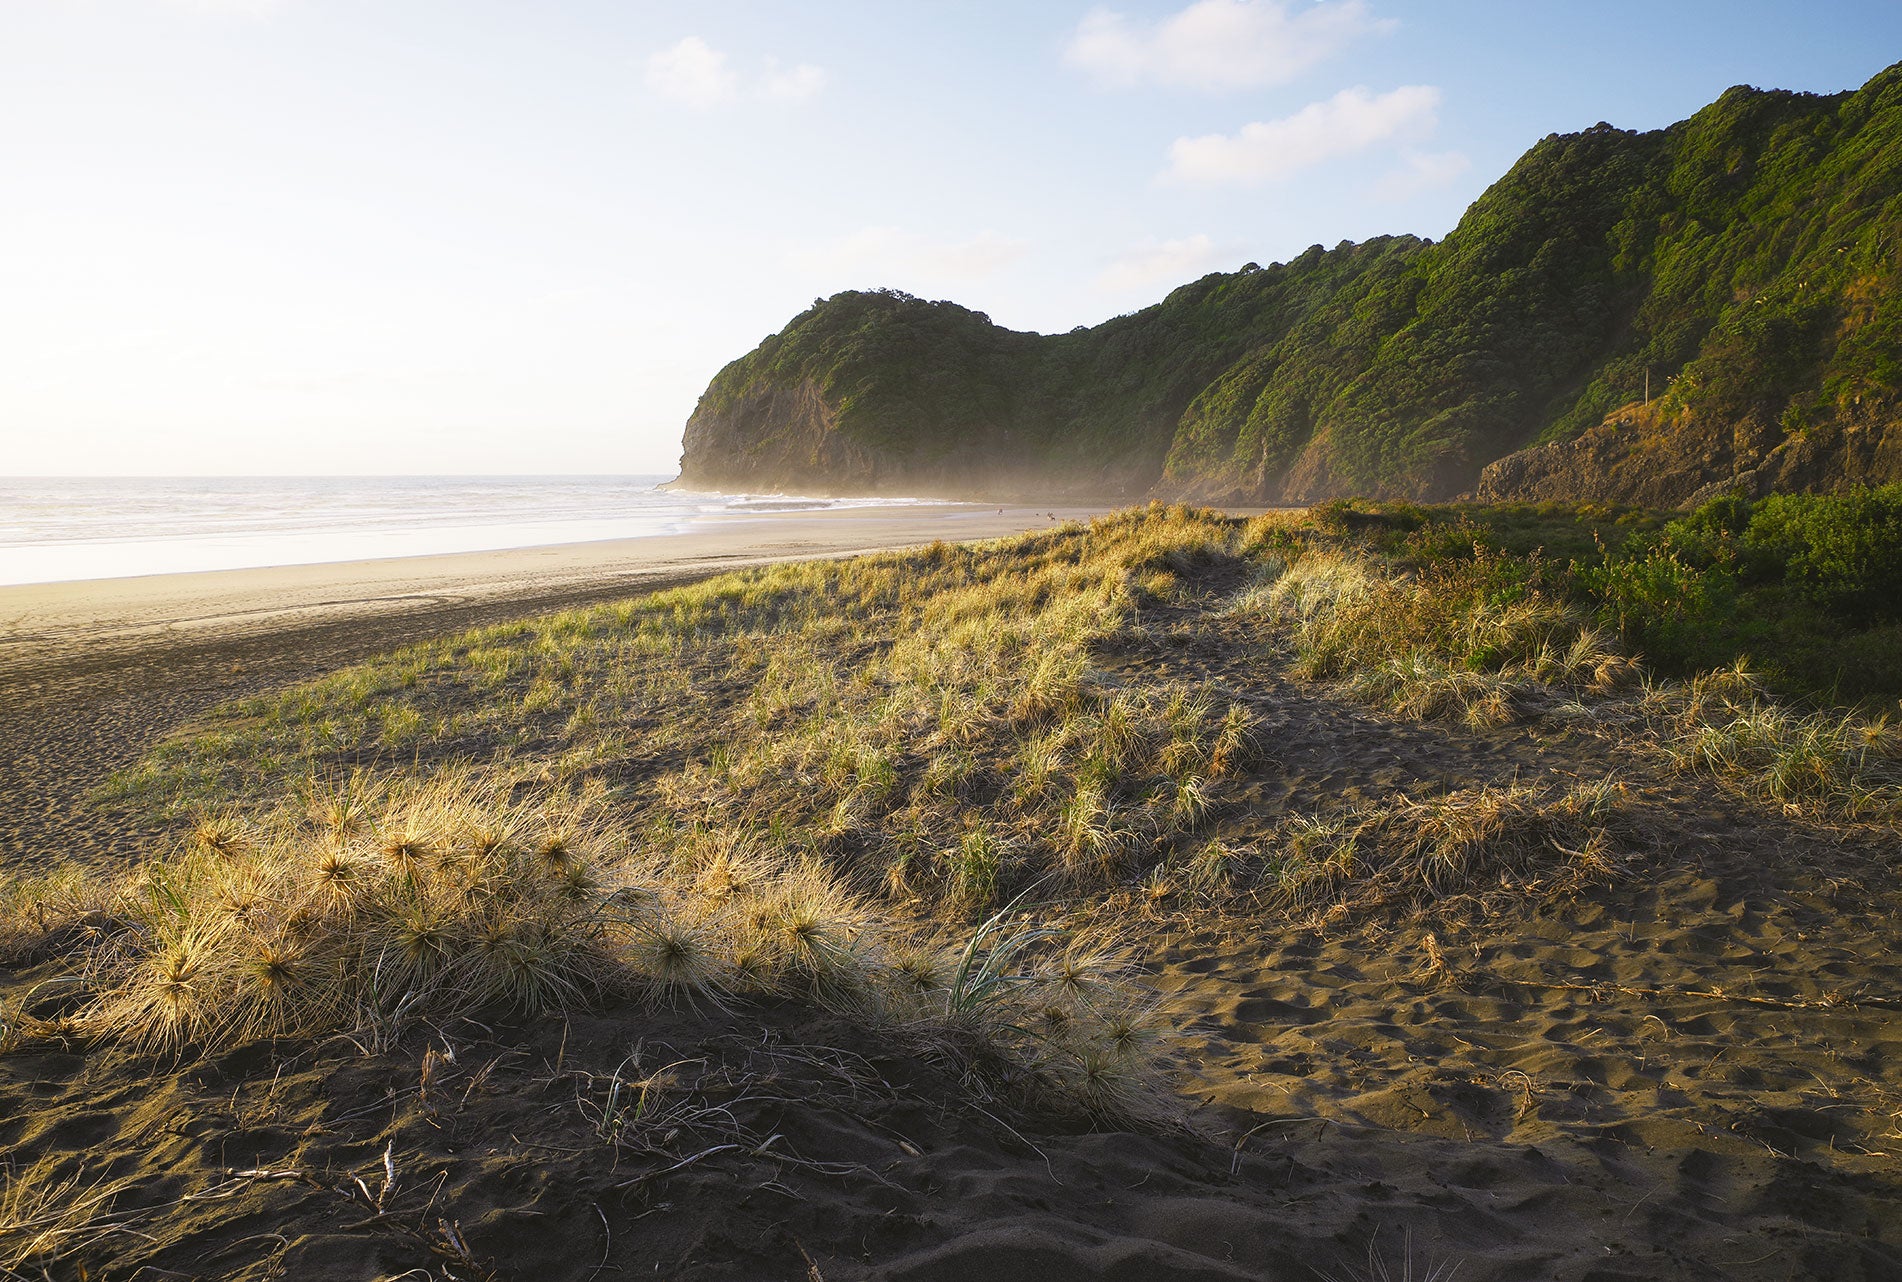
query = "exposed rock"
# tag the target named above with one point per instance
(780, 437)
(1642, 457)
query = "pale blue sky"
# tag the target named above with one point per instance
(337, 236)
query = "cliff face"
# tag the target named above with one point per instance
(1657, 460)
(1746, 264)
(783, 436)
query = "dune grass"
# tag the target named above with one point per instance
(858, 712)
(1724, 724)
(1483, 846)
(1482, 640)
(787, 784)
(1475, 641)
(717, 795)
(819, 783)
(1470, 842)
(938, 729)
(369, 904)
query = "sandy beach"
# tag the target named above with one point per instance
(1198, 641)
(94, 671)
(1688, 1067)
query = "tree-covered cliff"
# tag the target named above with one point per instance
(1744, 264)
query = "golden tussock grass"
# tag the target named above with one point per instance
(35, 904)
(819, 781)
(1463, 643)
(1472, 842)
(368, 905)
(1723, 724)
(1467, 643)
(830, 708)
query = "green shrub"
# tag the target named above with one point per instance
(1843, 551)
(1678, 615)
(1806, 586)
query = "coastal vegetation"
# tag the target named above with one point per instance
(1803, 589)
(763, 784)
(928, 809)
(1712, 304)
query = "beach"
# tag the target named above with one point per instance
(1206, 641)
(95, 671)
(1662, 1044)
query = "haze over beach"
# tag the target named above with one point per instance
(1185, 640)
(69, 528)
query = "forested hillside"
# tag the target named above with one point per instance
(1740, 266)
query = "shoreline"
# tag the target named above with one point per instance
(40, 620)
(95, 671)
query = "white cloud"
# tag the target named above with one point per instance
(1219, 44)
(1169, 262)
(890, 255)
(696, 74)
(1421, 171)
(1352, 120)
(791, 84)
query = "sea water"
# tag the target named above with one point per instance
(60, 528)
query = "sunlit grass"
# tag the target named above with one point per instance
(832, 704)
(1470, 641)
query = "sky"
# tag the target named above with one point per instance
(330, 237)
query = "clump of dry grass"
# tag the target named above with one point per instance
(1462, 642)
(1038, 1011)
(1723, 724)
(360, 899)
(359, 905)
(365, 900)
(46, 1216)
(33, 904)
(1422, 688)
(1469, 842)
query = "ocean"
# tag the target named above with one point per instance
(61, 528)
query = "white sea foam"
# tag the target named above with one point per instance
(59, 528)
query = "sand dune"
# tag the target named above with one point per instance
(1691, 1068)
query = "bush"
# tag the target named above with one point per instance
(1675, 613)
(1807, 586)
(1843, 551)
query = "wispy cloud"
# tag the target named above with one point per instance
(791, 84)
(1154, 263)
(695, 74)
(1421, 171)
(1352, 120)
(890, 255)
(1219, 44)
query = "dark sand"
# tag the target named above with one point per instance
(1694, 1071)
